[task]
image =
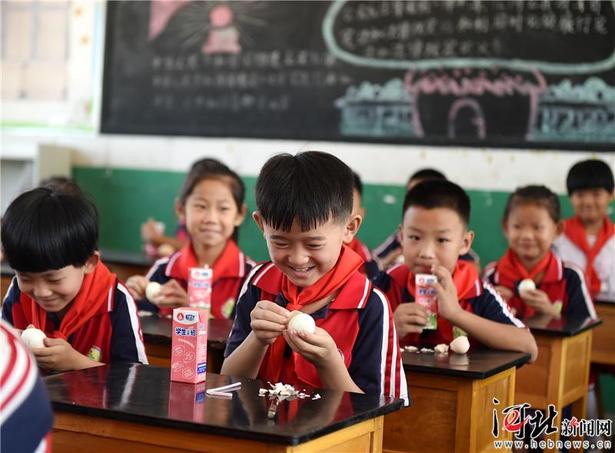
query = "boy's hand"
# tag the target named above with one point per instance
(268, 320)
(59, 355)
(171, 295)
(504, 292)
(448, 301)
(318, 347)
(539, 301)
(136, 286)
(409, 318)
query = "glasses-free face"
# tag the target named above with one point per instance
(433, 236)
(530, 231)
(54, 290)
(305, 256)
(211, 213)
(591, 205)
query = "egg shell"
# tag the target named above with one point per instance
(33, 337)
(302, 322)
(441, 348)
(151, 290)
(460, 345)
(526, 285)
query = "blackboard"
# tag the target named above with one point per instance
(499, 73)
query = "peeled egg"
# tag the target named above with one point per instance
(460, 345)
(526, 285)
(33, 337)
(302, 322)
(151, 290)
(165, 250)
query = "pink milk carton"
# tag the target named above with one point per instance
(189, 344)
(426, 296)
(199, 287)
(186, 401)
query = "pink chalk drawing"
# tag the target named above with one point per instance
(470, 85)
(478, 118)
(161, 12)
(223, 36)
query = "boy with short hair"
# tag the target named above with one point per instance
(304, 209)
(61, 287)
(434, 234)
(588, 239)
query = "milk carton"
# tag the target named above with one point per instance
(186, 401)
(199, 287)
(427, 297)
(189, 344)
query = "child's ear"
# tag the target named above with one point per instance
(91, 262)
(241, 215)
(259, 220)
(468, 238)
(180, 210)
(352, 228)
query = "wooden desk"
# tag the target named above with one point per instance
(603, 341)
(6, 274)
(123, 407)
(157, 338)
(452, 401)
(126, 264)
(560, 374)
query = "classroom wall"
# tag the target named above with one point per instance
(132, 177)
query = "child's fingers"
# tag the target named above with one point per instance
(273, 307)
(264, 325)
(269, 311)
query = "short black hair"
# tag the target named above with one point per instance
(357, 184)
(590, 174)
(44, 230)
(208, 168)
(61, 184)
(439, 193)
(537, 195)
(426, 174)
(311, 186)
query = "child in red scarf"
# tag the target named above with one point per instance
(212, 206)
(62, 288)
(531, 223)
(434, 234)
(304, 208)
(588, 239)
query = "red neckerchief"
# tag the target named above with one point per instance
(227, 264)
(509, 271)
(574, 229)
(360, 249)
(352, 285)
(468, 285)
(94, 296)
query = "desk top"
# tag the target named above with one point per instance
(479, 364)
(125, 257)
(561, 327)
(144, 394)
(158, 329)
(604, 302)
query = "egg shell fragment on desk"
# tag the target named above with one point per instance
(460, 345)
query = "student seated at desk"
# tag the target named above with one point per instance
(26, 417)
(389, 252)
(434, 234)
(304, 209)
(62, 287)
(531, 222)
(588, 239)
(212, 206)
(370, 267)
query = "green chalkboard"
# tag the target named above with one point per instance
(536, 73)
